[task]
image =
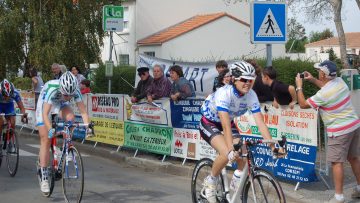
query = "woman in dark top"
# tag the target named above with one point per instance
(181, 88)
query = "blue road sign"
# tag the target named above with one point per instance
(268, 22)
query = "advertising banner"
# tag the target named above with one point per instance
(156, 139)
(300, 128)
(184, 143)
(157, 112)
(186, 113)
(108, 131)
(108, 106)
(28, 99)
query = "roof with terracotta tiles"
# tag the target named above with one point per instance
(352, 40)
(184, 27)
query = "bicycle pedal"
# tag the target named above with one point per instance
(58, 175)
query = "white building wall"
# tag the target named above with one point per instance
(224, 38)
(155, 15)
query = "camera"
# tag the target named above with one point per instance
(302, 75)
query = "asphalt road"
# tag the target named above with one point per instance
(105, 181)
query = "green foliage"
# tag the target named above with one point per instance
(22, 83)
(118, 84)
(298, 46)
(332, 55)
(287, 69)
(317, 36)
(39, 33)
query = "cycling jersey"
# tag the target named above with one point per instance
(7, 106)
(229, 99)
(51, 94)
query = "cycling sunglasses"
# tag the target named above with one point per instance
(246, 80)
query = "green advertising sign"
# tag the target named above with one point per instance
(113, 18)
(156, 139)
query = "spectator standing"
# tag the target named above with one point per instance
(161, 85)
(262, 91)
(143, 85)
(224, 78)
(283, 94)
(220, 66)
(85, 86)
(55, 69)
(37, 83)
(77, 73)
(181, 88)
(341, 122)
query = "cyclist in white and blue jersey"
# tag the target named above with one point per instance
(55, 97)
(8, 96)
(216, 124)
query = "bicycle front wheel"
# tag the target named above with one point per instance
(201, 171)
(12, 153)
(73, 176)
(266, 189)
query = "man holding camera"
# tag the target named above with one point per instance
(341, 122)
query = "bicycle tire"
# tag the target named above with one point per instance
(51, 176)
(73, 172)
(12, 153)
(201, 171)
(267, 188)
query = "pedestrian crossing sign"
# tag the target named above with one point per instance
(268, 22)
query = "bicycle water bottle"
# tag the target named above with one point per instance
(235, 181)
(57, 155)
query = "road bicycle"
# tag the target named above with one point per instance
(257, 186)
(65, 162)
(9, 142)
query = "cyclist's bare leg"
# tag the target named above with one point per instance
(219, 144)
(1, 123)
(44, 146)
(12, 121)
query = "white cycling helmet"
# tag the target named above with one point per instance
(68, 83)
(242, 69)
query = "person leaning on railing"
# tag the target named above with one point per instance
(160, 87)
(341, 122)
(181, 88)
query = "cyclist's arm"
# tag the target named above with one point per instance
(226, 125)
(21, 106)
(45, 115)
(259, 120)
(83, 112)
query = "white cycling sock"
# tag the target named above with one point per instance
(339, 197)
(211, 179)
(44, 173)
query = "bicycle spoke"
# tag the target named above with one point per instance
(73, 176)
(12, 154)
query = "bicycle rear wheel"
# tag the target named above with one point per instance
(12, 153)
(73, 176)
(267, 189)
(201, 171)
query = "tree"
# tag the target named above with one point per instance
(38, 33)
(317, 36)
(296, 36)
(317, 10)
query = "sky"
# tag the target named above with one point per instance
(350, 20)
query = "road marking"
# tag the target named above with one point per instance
(37, 146)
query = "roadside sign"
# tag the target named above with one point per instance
(113, 18)
(109, 66)
(268, 22)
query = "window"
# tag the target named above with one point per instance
(124, 59)
(150, 53)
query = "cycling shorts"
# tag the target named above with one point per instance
(7, 108)
(210, 129)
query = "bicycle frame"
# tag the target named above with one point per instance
(249, 169)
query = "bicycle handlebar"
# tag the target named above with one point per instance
(253, 142)
(71, 124)
(24, 120)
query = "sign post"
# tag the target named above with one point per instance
(268, 24)
(113, 20)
